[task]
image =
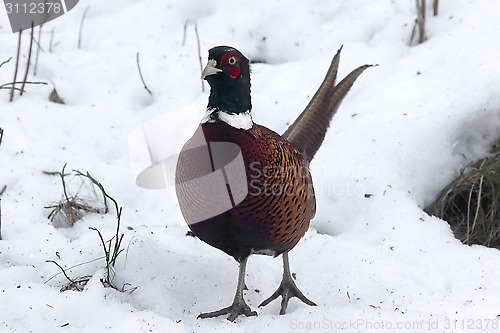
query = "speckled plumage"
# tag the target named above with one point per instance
(280, 202)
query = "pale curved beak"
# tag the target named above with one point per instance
(210, 69)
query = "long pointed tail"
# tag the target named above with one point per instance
(309, 129)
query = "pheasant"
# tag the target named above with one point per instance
(243, 188)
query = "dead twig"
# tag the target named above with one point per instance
(184, 34)
(13, 88)
(6, 61)
(81, 27)
(436, 7)
(62, 270)
(6, 85)
(28, 61)
(140, 74)
(51, 40)
(419, 23)
(77, 284)
(199, 56)
(74, 266)
(51, 173)
(37, 50)
(1, 135)
(1, 193)
(421, 20)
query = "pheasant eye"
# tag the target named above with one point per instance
(232, 61)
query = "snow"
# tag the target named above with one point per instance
(371, 263)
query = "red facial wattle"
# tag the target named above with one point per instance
(231, 61)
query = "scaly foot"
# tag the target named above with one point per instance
(239, 307)
(287, 289)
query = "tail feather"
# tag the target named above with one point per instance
(309, 129)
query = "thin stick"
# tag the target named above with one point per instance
(413, 32)
(1, 193)
(81, 27)
(6, 61)
(38, 45)
(436, 7)
(17, 66)
(51, 173)
(421, 20)
(29, 61)
(140, 74)
(184, 34)
(6, 85)
(62, 270)
(74, 266)
(51, 40)
(1, 138)
(38, 49)
(199, 56)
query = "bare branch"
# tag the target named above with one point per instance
(74, 266)
(6, 85)
(51, 173)
(51, 40)
(1, 193)
(184, 34)
(28, 62)
(38, 49)
(419, 23)
(6, 61)
(62, 270)
(421, 20)
(199, 56)
(140, 74)
(81, 27)
(16, 67)
(436, 7)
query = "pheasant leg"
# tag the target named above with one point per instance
(239, 306)
(287, 289)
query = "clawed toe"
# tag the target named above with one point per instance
(234, 311)
(287, 290)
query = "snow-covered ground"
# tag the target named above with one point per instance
(371, 263)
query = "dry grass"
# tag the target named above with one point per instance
(80, 196)
(419, 26)
(72, 207)
(471, 203)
